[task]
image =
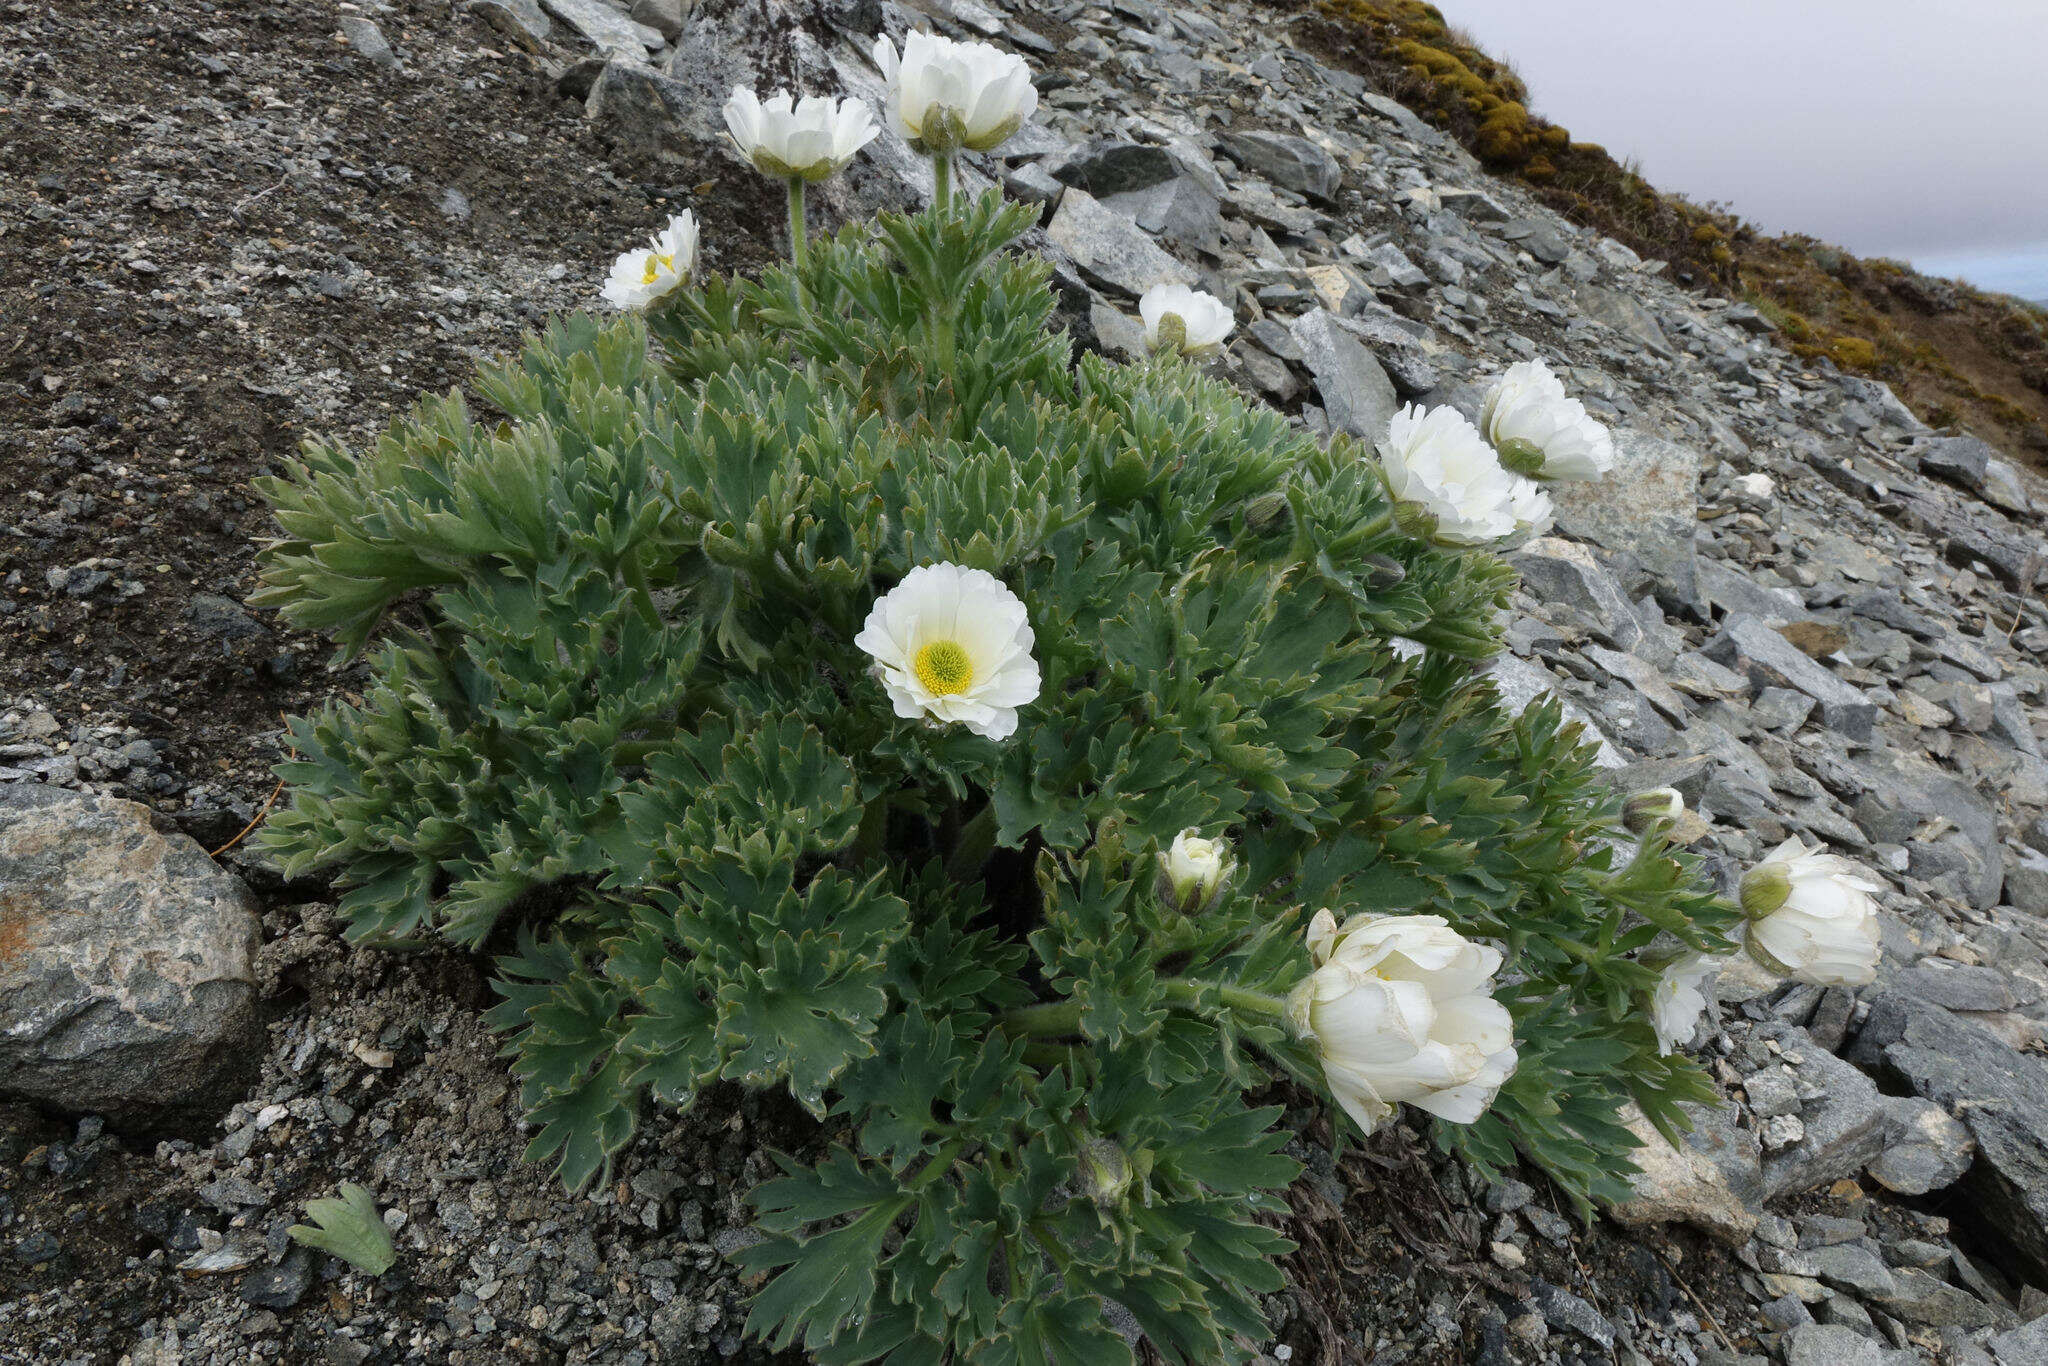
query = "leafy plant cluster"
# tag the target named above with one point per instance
(619, 733)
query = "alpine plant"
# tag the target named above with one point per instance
(830, 683)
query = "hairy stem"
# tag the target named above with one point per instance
(796, 222)
(942, 181)
(636, 579)
(1189, 991)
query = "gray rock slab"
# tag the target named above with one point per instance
(1647, 505)
(1355, 390)
(127, 962)
(1286, 160)
(1751, 646)
(1111, 248)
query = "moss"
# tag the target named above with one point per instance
(1854, 353)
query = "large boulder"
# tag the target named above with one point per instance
(1647, 505)
(127, 962)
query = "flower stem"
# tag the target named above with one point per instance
(636, 578)
(796, 221)
(1046, 1019)
(1188, 991)
(942, 181)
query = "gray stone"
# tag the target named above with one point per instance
(367, 41)
(1561, 571)
(1840, 1110)
(644, 114)
(1110, 248)
(1957, 986)
(2026, 1345)
(1562, 1309)
(605, 28)
(2026, 880)
(1286, 160)
(1356, 392)
(1111, 167)
(1832, 1344)
(1920, 1297)
(1903, 793)
(1180, 212)
(1751, 646)
(1521, 682)
(1997, 1092)
(127, 961)
(522, 22)
(1712, 1180)
(663, 16)
(1647, 506)
(1975, 465)
(1929, 1150)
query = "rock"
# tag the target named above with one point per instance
(1111, 167)
(1286, 160)
(1562, 571)
(1647, 505)
(1562, 1309)
(127, 962)
(1840, 1113)
(223, 618)
(1975, 465)
(1712, 1180)
(1180, 212)
(1903, 793)
(1920, 1297)
(1998, 1093)
(1356, 392)
(2023, 1346)
(1749, 646)
(1111, 248)
(1831, 1344)
(606, 29)
(646, 115)
(367, 41)
(280, 1286)
(663, 16)
(523, 22)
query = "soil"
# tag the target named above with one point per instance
(222, 233)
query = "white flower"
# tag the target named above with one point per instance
(1191, 872)
(1438, 462)
(1185, 320)
(785, 137)
(1531, 508)
(952, 643)
(1401, 1009)
(1676, 1002)
(1811, 916)
(1540, 432)
(638, 278)
(945, 95)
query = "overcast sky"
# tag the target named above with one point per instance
(1891, 127)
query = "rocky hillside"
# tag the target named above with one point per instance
(1794, 602)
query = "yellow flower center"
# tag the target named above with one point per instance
(657, 262)
(943, 668)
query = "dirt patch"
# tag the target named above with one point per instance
(224, 233)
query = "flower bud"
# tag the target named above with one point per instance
(1383, 572)
(1764, 889)
(1645, 809)
(1192, 871)
(1105, 1173)
(1677, 1001)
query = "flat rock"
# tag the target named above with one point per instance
(1647, 505)
(1286, 160)
(127, 962)
(1839, 1109)
(1751, 646)
(1712, 1180)
(603, 27)
(1354, 387)
(1110, 248)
